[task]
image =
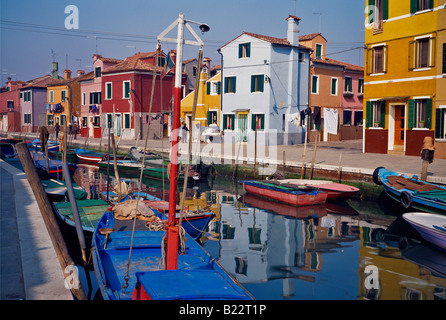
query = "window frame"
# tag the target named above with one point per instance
(244, 50)
(108, 91)
(313, 86)
(124, 92)
(230, 84)
(319, 45)
(336, 86)
(257, 83)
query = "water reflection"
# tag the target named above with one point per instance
(278, 251)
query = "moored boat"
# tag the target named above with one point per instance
(412, 192)
(54, 169)
(53, 146)
(431, 227)
(334, 190)
(297, 196)
(93, 156)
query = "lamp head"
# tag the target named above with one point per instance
(204, 28)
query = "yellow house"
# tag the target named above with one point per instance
(64, 99)
(402, 73)
(208, 102)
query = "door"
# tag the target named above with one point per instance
(399, 125)
(242, 133)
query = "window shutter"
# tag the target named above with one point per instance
(385, 9)
(429, 113)
(225, 122)
(413, 6)
(382, 122)
(232, 121)
(439, 124)
(262, 82)
(240, 50)
(444, 58)
(209, 116)
(233, 84)
(411, 114)
(253, 83)
(369, 114)
(262, 121)
(248, 49)
(219, 87)
(226, 85)
(208, 88)
(431, 4)
(253, 122)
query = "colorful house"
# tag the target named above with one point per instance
(440, 105)
(265, 87)
(403, 76)
(336, 86)
(64, 100)
(91, 97)
(10, 116)
(208, 101)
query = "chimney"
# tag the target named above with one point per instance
(293, 30)
(55, 71)
(80, 73)
(67, 74)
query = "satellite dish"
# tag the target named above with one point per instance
(204, 28)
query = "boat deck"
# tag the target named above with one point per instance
(399, 183)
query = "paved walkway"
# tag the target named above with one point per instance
(29, 268)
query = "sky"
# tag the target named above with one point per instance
(33, 32)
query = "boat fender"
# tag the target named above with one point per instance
(376, 178)
(405, 199)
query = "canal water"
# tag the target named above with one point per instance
(360, 248)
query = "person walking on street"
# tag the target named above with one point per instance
(57, 129)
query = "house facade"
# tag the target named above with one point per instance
(208, 101)
(440, 105)
(10, 116)
(337, 87)
(265, 87)
(91, 98)
(126, 94)
(404, 73)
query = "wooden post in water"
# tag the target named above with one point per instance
(340, 168)
(48, 216)
(314, 155)
(302, 172)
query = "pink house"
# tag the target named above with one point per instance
(91, 98)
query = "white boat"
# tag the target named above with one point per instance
(431, 227)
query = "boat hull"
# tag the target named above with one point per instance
(431, 227)
(295, 198)
(334, 190)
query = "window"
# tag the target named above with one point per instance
(228, 121)
(301, 56)
(440, 123)
(27, 118)
(84, 122)
(334, 86)
(63, 119)
(84, 98)
(50, 120)
(257, 83)
(64, 95)
(444, 58)
(109, 120)
(348, 85)
(358, 118)
(347, 117)
(97, 72)
(319, 48)
(360, 86)
(51, 97)
(27, 96)
(420, 113)
(422, 53)
(213, 88)
(230, 85)
(126, 120)
(97, 121)
(161, 61)
(258, 122)
(244, 50)
(10, 105)
(315, 84)
(126, 89)
(212, 117)
(376, 56)
(95, 97)
(375, 114)
(108, 91)
(421, 5)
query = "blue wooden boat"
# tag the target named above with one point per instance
(412, 192)
(53, 146)
(198, 275)
(194, 224)
(54, 169)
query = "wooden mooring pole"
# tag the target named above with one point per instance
(48, 216)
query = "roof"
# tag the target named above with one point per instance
(272, 40)
(41, 82)
(310, 36)
(134, 63)
(109, 60)
(345, 65)
(68, 81)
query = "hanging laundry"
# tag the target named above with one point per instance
(331, 120)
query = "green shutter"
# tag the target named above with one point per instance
(314, 84)
(439, 124)
(225, 122)
(127, 121)
(240, 50)
(444, 58)
(262, 121)
(318, 51)
(411, 114)
(233, 84)
(248, 49)
(385, 9)
(262, 82)
(413, 6)
(226, 85)
(382, 122)
(253, 83)
(253, 122)
(232, 121)
(219, 87)
(369, 114)
(431, 4)
(209, 116)
(429, 113)
(208, 88)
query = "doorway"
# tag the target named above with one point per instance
(400, 116)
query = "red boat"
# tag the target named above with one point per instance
(334, 190)
(297, 196)
(93, 156)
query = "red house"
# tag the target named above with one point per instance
(10, 115)
(126, 92)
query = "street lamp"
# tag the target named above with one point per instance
(172, 229)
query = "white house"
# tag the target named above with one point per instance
(265, 87)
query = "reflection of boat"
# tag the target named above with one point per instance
(197, 276)
(125, 166)
(340, 207)
(90, 211)
(7, 149)
(412, 192)
(333, 189)
(432, 227)
(56, 190)
(54, 169)
(297, 196)
(284, 209)
(427, 257)
(150, 158)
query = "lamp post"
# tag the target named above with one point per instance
(172, 240)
